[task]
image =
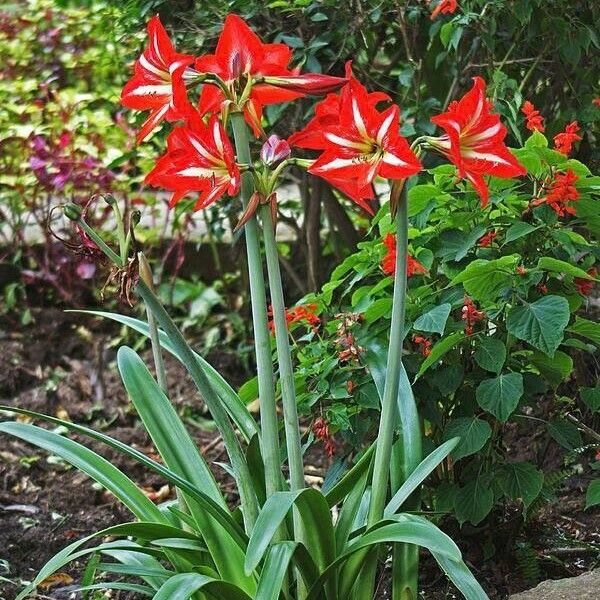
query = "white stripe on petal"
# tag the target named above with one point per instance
(337, 163)
(196, 172)
(486, 133)
(202, 151)
(151, 90)
(358, 120)
(340, 141)
(393, 160)
(487, 156)
(385, 126)
(217, 137)
(153, 68)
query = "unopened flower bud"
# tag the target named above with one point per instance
(136, 215)
(72, 212)
(274, 150)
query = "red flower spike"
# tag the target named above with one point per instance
(596, 101)
(470, 315)
(474, 140)
(485, 241)
(563, 142)
(561, 192)
(388, 264)
(240, 55)
(359, 142)
(585, 286)
(521, 271)
(158, 80)
(445, 7)
(535, 121)
(424, 344)
(199, 158)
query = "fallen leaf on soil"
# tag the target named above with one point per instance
(157, 496)
(61, 413)
(56, 579)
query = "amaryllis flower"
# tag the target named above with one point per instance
(445, 7)
(359, 142)
(388, 264)
(158, 80)
(474, 140)
(563, 142)
(274, 150)
(535, 121)
(242, 60)
(200, 159)
(561, 192)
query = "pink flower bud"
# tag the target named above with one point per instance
(274, 150)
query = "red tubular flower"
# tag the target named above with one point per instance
(304, 313)
(596, 101)
(585, 286)
(158, 80)
(423, 343)
(470, 315)
(445, 7)
(561, 192)
(359, 142)
(240, 56)
(535, 121)
(485, 241)
(388, 264)
(199, 158)
(563, 142)
(474, 140)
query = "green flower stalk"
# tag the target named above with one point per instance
(262, 341)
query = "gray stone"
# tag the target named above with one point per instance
(583, 587)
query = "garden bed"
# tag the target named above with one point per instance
(51, 367)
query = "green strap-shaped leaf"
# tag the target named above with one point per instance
(416, 478)
(164, 426)
(236, 409)
(274, 570)
(185, 585)
(347, 483)
(211, 507)
(461, 577)
(136, 588)
(314, 512)
(98, 468)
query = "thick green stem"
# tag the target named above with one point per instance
(286, 374)
(262, 340)
(387, 419)
(249, 502)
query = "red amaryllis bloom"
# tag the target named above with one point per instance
(561, 192)
(563, 142)
(388, 264)
(239, 58)
(474, 140)
(585, 286)
(535, 121)
(485, 241)
(359, 143)
(199, 158)
(158, 80)
(445, 7)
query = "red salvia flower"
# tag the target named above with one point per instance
(535, 121)
(199, 158)
(470, 315)
(521, 270)
(474, 140)
(542, 288)
(321, 430)
(388, 264)
(563, 142)
(485, 241)
(241, 57)
(304, 313)
(585, 286)
(423, 343)
(445, 7)
(561, 192)
(596, 101)
(158, 81)
(359, 143)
